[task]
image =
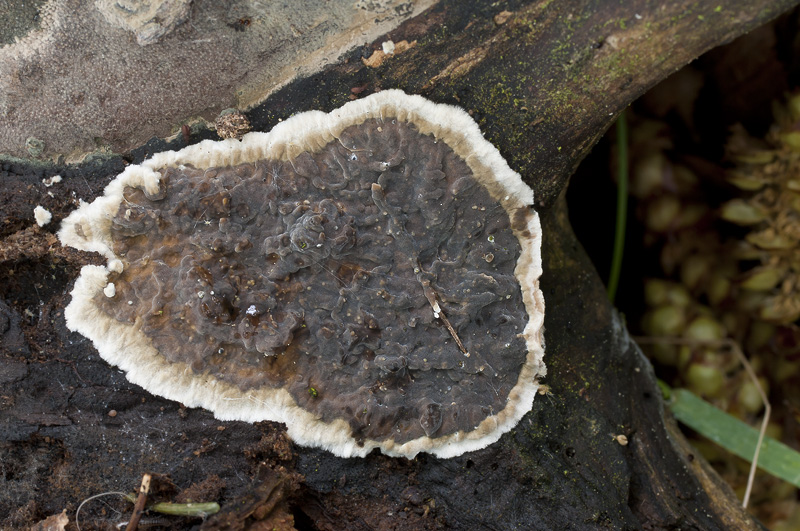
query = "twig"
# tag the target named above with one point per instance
(767, 411)
(430, 294)
(734, 346)
(379, 197)
(453, 333)
(138, 508)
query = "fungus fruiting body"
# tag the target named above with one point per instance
(42, 215)
(369, 277)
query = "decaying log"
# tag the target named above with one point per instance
(544, 80)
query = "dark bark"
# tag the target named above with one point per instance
(544, 81)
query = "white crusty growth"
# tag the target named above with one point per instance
(88, 228)
(42, 215)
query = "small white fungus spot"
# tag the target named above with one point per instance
(42, 215)
(388, 47)
(110, 290)
(251, 310)
(50, 181)
(115, 265)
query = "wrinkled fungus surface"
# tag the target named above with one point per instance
(369, 277)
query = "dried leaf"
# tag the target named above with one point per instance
(56, 522)
(746, 182)
(782, 310)
(741, 212)
(793, 185)
(791, 139)
(762, 278)
(755, 157)
(769, 239)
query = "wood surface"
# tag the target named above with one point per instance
(544, 80)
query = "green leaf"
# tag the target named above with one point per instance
(735, 436)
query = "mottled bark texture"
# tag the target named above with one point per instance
(544, 80)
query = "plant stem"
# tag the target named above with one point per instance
(622, 206)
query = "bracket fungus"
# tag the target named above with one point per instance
(369, 277)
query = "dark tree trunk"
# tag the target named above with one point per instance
(544, 80)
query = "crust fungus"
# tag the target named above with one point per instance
(369, 277)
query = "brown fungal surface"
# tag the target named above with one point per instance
(369, 277)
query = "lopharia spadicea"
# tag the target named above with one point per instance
(369, 277)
